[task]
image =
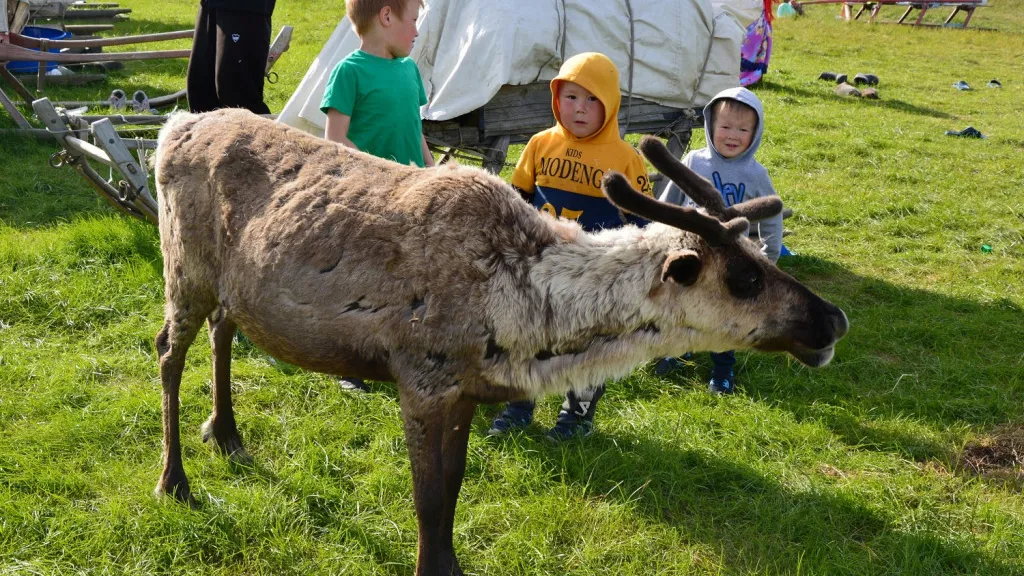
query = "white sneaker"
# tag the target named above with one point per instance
(140, 102)
(118, 100)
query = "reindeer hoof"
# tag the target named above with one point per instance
(177, 489)
(227, 440)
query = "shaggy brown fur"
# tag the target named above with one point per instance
(442, 280)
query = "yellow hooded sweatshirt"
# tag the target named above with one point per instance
(562, 172)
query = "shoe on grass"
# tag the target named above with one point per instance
(961, 85)
(840, 78)
(118, 99)
(869, 93)
(140, 102)
(829, 76)
(969, 132)
(514, 417)
(353, 384)
(869, 79)
(845, 89)
(994, 83)
(570, 425)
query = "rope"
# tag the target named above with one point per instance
(632, 52)
(564, 31)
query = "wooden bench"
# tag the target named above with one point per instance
(875, 6)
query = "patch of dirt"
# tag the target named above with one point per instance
(998, 455)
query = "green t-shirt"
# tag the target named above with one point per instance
(382, 96)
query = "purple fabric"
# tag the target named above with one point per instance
(756, 50)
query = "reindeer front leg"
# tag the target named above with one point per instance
(453, 465)
(424, 430)
(438, 460)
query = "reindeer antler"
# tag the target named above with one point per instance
(624, 196)
(702, 192)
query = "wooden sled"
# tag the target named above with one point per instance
(86, 139)
(129, 193)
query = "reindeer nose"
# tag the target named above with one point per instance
(841, 324)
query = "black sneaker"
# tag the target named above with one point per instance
(516, 416)
(570, 425)
(969, 132)
(666, 366)
(722, 385)
(353, 384)
(869, 79)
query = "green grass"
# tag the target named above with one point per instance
(857, 468)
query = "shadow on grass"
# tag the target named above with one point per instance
(826, 92)
(758, 523)
(910, 354)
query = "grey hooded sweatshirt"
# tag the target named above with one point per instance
(737, 179)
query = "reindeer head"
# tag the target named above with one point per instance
(715, 282)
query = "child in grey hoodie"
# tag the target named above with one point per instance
(734, 121)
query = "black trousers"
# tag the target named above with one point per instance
(228, 61)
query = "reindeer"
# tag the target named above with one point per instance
(444, 281)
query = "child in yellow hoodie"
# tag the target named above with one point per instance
(560, 172)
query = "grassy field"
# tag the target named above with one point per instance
(904, 456)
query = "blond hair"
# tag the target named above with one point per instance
(363, 12)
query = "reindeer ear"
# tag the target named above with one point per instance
(681, 267)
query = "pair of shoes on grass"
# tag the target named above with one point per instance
(963, 85)
(845, 89)
(860, 78)
(568, 425)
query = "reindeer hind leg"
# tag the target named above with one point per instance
(220, 427)
(182, 322)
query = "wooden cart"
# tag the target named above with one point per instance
(517, 112)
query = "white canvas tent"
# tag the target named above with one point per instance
(676, 53)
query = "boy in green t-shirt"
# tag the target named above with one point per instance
(374, 95)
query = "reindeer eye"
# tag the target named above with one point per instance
(744, 278)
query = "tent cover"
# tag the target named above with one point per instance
(680, 53)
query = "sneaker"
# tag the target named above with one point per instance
(828, 76)
(666, 366)
(969, 132)
(570, 425)
(845, 89)
(140, 102)
(514, 417)
(961, 85)
(840, 78)
(725, 385)
(869, 79)
(352, 384)
(993, 83)
(118, 100)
